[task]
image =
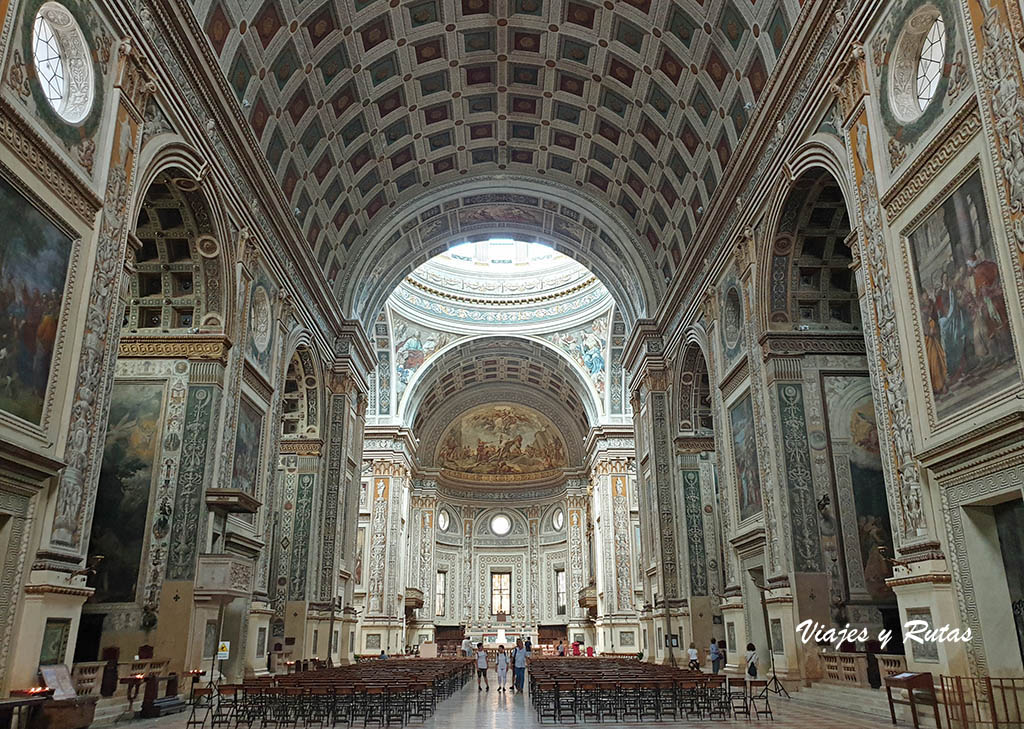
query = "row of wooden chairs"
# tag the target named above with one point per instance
(630, 691)
(365, 694)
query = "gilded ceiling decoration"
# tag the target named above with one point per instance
(360, 106)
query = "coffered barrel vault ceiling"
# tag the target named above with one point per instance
(360, 105)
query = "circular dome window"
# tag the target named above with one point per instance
(501, 525)
(443, 521)
(62, 63)
(916, 64)
(558, 520)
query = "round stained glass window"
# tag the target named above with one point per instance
(558, 520)
(62, 62)
(501, 525)
(929, 63)
(443, 521)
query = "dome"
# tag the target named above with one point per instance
(516, 285)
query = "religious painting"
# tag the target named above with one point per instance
(246, 463)
(857, 456)
(964, 318)
(502, 438)
(126, 478)
(499, 213)
(261, 323)
(55, 641)
(414, 345)
(744, 450)
(588, 347)
(34, 256)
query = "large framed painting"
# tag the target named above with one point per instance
(965, 324)
(126, 480)
(744, 451)
(856, 454)
(34, 256)
(246, 463)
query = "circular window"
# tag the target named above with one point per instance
(443, 521)
(501, 525)
(929, 65)
(558, 520)
(62, 62)
(916, 64)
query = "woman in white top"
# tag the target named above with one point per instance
(481, 667)
(502, 661)
(751, 660)
(694, 659)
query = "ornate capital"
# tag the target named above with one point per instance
(850, 84)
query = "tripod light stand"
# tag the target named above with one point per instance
(774, 685)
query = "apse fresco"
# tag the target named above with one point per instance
(502, 438)
(246, 463)
(966, 326)
(126, 477)
(33, 267)
(744, 449)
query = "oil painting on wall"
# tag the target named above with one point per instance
(126, 478)
(857, 458)
(33, 268)
(964, 318)
(501, 438)
(246, 463)
(744, 449)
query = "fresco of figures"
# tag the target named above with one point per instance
(744, 450)
(33, 267)
(501, 438)
(587, 345)
(126, 479)
(851, 414)
(246, 463)
(414, 345)
(964, 318)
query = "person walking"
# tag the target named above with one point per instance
(519, 666)
(501, 659)
(751, 660)
(481, 667)
(529, 647)
(716, 657)
(467, 647)
(561, 649)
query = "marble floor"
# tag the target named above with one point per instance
(472, 709)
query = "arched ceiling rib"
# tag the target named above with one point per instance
(359, 105)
